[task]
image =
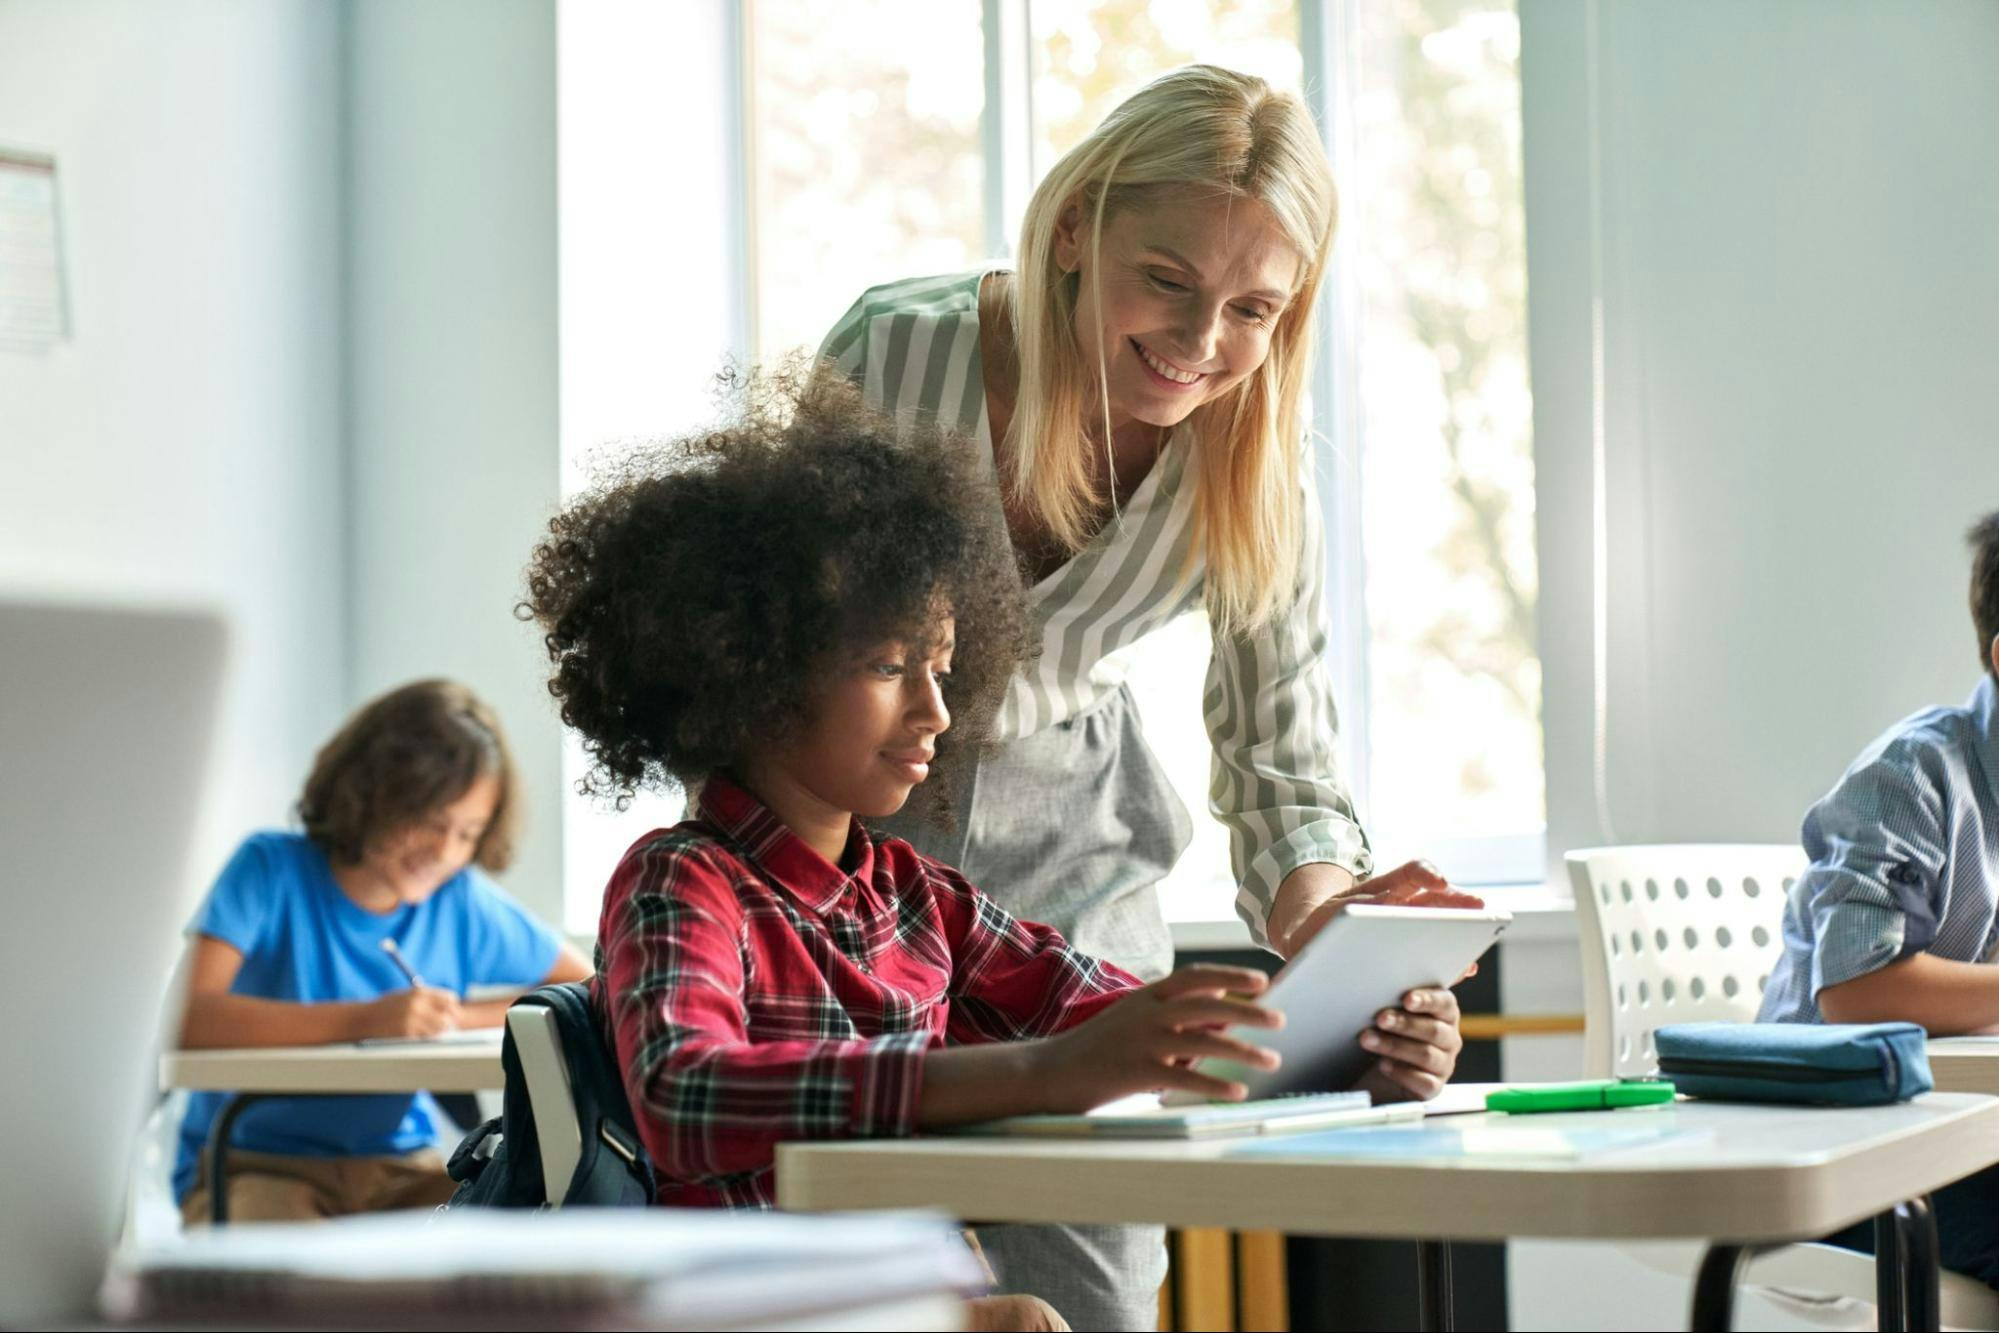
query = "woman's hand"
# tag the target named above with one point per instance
(1314, 894)
(1149, 1040)
(1418, 1044)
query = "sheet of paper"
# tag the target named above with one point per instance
(34, 314)
(1461, 1098)
(462, 1037)
(1431, 1141)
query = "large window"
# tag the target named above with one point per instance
(1086, 56)
(1433, 241)
(864, 153)
(902, 140)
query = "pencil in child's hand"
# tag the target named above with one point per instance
(396, 957)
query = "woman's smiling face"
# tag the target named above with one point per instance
(1191, 285)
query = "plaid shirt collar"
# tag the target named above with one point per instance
(782, 855)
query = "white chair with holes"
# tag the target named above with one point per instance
(1688, 934)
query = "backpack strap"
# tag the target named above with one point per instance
(614, 1169)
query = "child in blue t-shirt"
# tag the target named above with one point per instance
(406, 806)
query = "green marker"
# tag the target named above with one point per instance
(1603, 1094)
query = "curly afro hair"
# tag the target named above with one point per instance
(693, 599)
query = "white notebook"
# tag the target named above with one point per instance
(458, 1037)
(1145, 1118)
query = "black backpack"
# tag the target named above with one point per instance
(499, 1164)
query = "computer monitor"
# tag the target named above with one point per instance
(105, 724)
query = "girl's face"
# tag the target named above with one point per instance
(873, 729)
(417, 860)
(1191, 287)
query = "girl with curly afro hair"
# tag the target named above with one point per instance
(707, 589)
(803, 613)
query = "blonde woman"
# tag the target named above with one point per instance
(1136, 384)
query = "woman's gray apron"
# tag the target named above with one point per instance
(1074, 827)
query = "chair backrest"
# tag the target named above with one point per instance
(1674, 934)
(545, 1070)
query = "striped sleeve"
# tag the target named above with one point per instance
(912, 349)
(1874, 892)
(1276, 781)
(845, 348)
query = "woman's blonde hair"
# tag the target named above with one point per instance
(1217, 130)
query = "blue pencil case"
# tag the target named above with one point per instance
(1814, 1064)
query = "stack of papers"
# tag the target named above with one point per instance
(601, 1267)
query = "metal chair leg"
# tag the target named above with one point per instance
(218, 1153)
(1714, 1287)
(1921, 1296)
(1890, 1266)
(1434, 1312)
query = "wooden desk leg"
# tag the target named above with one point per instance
(218, 1153)
(1920, 1294)
(1891, 1262)
(1714, 1287)
(1433, 1286)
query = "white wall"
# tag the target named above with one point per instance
(451, 268)
(1793, 216)
(1800, 287)
(185, 444)
(311, 252)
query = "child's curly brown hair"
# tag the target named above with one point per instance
(402, 756)
(1984, 542)
(693, 599)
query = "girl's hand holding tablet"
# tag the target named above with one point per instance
(1418, 1044)
(1148, 1040)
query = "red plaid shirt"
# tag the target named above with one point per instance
(755, 993)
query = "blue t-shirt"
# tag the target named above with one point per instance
(304, 940)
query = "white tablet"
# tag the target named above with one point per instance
(1364, 961)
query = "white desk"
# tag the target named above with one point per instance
(1753, 1175)
(273, 1071)
(1965, 1064)
(415, 1067)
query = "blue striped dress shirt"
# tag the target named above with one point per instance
(1905, 858)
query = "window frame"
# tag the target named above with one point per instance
(1330, 58)
(1327, 43)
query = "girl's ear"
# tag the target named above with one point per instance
(1069, 236)
(1994, 655)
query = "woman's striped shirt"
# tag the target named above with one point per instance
(913, 349)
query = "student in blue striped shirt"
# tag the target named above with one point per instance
(1898, 914)
(1901, 903)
